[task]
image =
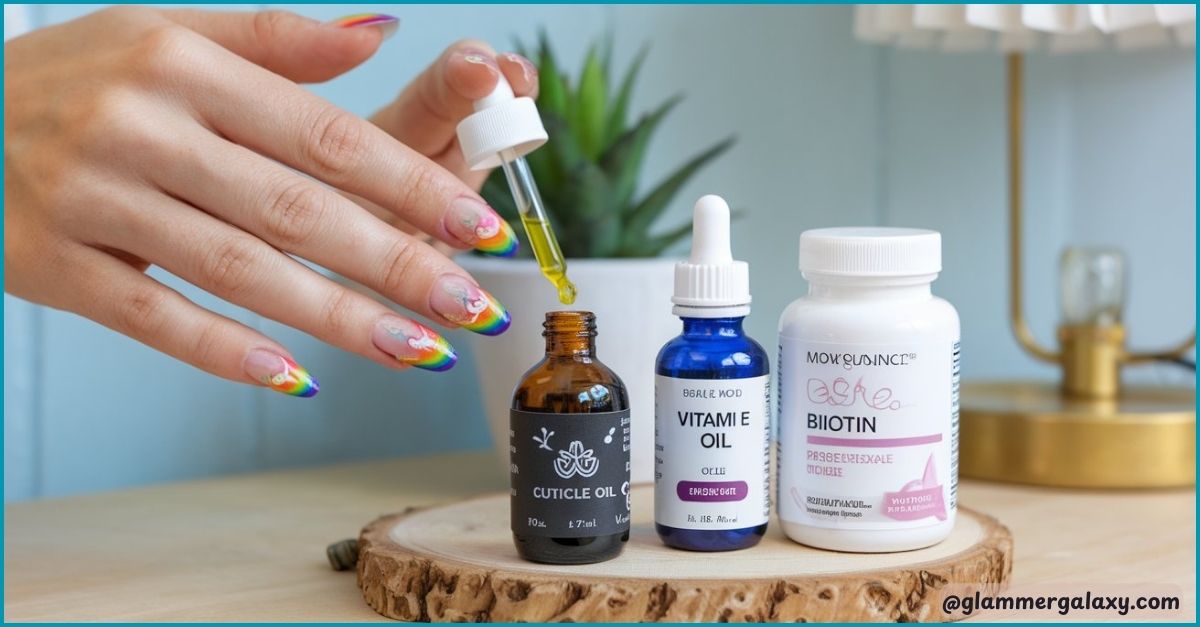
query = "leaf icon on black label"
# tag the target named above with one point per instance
(544, 441)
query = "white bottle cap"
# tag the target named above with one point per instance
(870, 252)
(500, 122)
(710, 284)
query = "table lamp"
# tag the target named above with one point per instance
(1089, 430)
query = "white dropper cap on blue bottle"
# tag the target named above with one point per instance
(711, 283)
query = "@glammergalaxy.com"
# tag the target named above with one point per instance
(1061, 603)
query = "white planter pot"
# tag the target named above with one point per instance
(632, 302)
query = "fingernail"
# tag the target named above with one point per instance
(387, 23)
(280, 373)
(528, 69)
(464, 303)
(478, 225)
(413, 343)
(480, 57)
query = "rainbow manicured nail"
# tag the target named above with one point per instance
(414, 344)
(500, 241)
(462, 302)
(477, 225)
(387, 23)
(280, 373)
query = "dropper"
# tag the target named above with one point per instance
(501, 132)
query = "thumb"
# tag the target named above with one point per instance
(296, 47)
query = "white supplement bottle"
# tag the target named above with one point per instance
(868, 394)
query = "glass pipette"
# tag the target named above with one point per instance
(537, 224)
(501, 132)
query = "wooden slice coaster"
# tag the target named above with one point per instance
(457, 563)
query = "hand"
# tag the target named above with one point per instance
(426, 114)
(178, 138)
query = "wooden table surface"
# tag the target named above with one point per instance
(252, 547)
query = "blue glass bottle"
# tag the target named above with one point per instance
(711, 402)
(712, 348)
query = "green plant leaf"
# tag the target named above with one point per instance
(572, 112)
(615, 125)
(657, 244)
(654, 246)
(593, 230)
(588, 172)
(623, 160)
(652, 205)
(552, 86)
(546, 171)
(495, 191)
(606, 52)
(563, 148)
(591, 101)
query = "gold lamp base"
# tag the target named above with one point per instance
(1027, 432)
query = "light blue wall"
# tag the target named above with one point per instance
(831, 132)
(1110, 159)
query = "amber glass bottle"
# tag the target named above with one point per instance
(569, 445)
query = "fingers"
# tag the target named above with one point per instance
(521, 73)
(299, 48)
(298, 215)
(274, 117)
(400, 224)
(244, 270)
(427, 112)
(120, 297)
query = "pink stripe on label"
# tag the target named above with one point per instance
(875, 442)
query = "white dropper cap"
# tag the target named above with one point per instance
(501, 122)
(711, 284)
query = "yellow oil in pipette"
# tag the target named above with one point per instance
(549, 257)
(537, 225)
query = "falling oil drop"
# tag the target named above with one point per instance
(566, 291)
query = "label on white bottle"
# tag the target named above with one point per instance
(868, 434)
(712, 452)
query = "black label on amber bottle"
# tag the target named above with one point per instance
(570, 473)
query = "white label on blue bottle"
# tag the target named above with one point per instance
(711, 452)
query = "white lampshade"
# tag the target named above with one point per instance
(1025, 27)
